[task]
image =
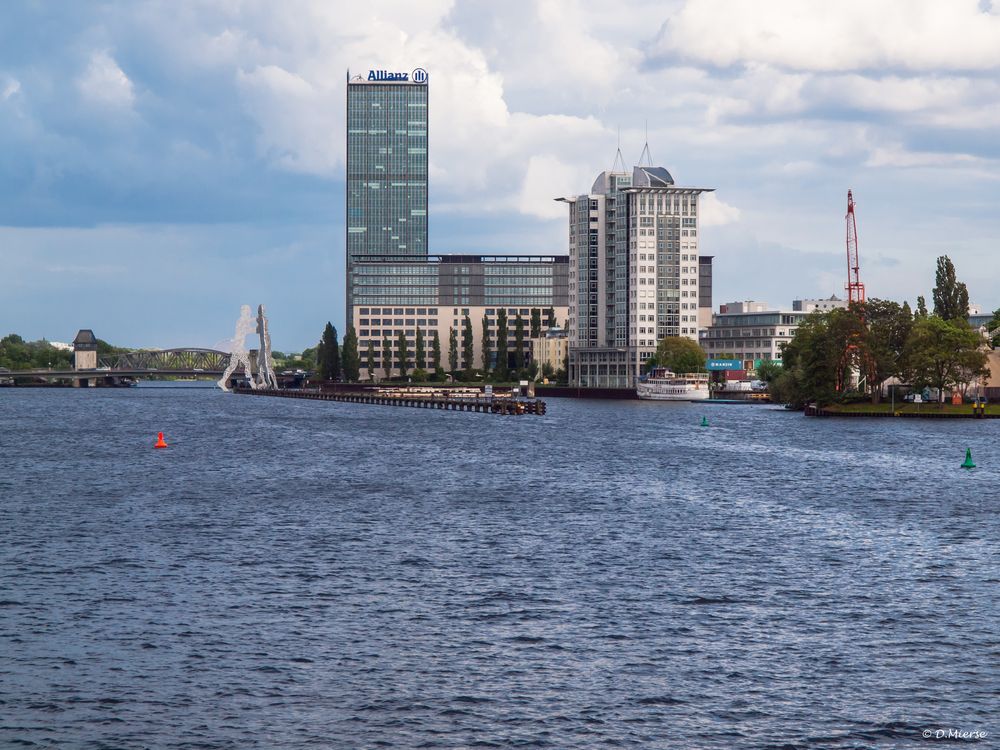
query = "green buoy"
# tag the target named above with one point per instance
(968, 460)
(704, 421)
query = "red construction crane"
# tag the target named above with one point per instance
(855, 289)
(855, 357)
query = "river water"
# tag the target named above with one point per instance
(295, 574)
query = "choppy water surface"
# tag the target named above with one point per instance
(297, 574)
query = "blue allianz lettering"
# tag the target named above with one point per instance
(382, 75)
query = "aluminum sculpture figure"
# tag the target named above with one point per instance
(265, 362)
(239, 354)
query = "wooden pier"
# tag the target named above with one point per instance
(504, 406)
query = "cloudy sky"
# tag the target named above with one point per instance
(162, 162)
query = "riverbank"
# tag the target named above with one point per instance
(919, 411)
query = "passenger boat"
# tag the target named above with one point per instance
(663, 385)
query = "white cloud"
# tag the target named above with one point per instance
(296, 128)
(10, 87)
(715, 212)
(104, 83)
(895, 155)
(547, 178)
(849, 35)
(480, 150)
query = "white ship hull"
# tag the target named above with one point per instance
(654, 391)
(665, 392)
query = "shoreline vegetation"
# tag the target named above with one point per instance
(840, 362)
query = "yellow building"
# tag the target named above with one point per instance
(551, 349)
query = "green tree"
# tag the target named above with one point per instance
(815, 361)
(350, 359)
(452, 351)
(921, 307)
(680, 355)
(519, 342)
(370, 363)
(888, 325)
(562, 376)
(951, 297)
(402, 353)
(436, 354)
(420, 353)
(487, 346)
(501, 373)
(330, 366)
(548, 371)
(387, 356)
(467, 348)
(536, 323)
(550, 318)
(769, 370)
(943, 354)
(18, 354)
(993, 329)
(309, 355)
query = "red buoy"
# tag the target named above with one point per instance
(160, 442)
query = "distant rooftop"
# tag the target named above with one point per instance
(85, 337)
(651, 177)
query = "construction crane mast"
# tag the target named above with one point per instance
(856, 362)
(855, 289)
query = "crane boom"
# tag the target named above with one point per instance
(855, 289)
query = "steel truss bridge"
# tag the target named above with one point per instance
(149, 362)
(183, 361)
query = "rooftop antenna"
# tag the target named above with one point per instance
(645, 151)
(619, 165)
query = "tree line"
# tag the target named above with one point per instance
(874, 341)
(18, 354)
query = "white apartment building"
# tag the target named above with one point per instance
(635, 274)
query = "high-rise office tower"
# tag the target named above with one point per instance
(386, 167)
(635, 275)
(394, 286)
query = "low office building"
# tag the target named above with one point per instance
(550, 349)
(437, 293)
(750, 331)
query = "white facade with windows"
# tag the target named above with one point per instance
(635, 274)
(750, 331)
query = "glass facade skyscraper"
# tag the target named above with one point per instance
(386, 167)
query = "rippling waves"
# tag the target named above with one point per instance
(296, 574)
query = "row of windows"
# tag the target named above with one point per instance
(719, 333)
(731, 321)
(379, 340)
(389, 270)
(397, 322)
(517, 270)
(398, 311)
(395, 299)
(667, 203)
